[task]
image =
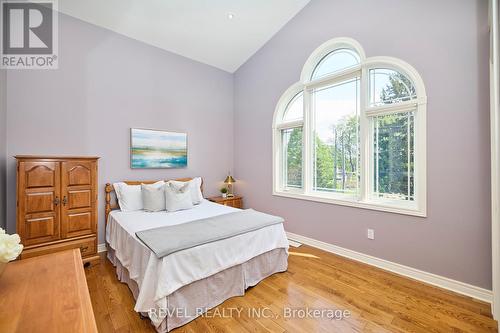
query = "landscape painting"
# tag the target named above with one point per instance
(157, 149)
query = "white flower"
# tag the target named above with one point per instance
(9, 246)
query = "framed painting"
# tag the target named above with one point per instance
(154, 149)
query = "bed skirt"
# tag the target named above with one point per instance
(194, 299)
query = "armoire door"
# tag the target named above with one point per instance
(38, 202)
(79, 197)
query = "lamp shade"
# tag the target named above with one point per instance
(229, 180)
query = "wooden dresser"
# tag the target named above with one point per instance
(57, 205)
(46, 294)
(236, 201)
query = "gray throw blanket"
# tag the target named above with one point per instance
(170, 239)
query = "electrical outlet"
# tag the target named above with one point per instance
(371, 234)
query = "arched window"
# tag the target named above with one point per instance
(353, 132)
(335, 61)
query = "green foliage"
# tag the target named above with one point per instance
(392, 155)
(323, 164)
(294, 157)
(395, 161)
(223, 190)
(399, 88)
(337, 161)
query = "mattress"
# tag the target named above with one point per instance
(157, 278)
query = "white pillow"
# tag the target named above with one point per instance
(194, 188)
(129, 196)
(177, 198)
(153, 196)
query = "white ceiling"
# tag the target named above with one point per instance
(196, 29)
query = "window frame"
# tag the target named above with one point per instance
(278, 127)
(366, 115)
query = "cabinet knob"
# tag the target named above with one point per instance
(65, 201)
(56, 201)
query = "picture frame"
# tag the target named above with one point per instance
(157, 149)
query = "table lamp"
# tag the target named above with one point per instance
(229, 181)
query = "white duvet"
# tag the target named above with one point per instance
(158, 278)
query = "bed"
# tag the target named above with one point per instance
(177, 288)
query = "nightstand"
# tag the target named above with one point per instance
(236, 201)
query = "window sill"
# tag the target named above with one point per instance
(373, 205)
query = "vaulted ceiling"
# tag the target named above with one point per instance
(220, 33)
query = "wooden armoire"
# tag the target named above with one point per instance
(57, 205)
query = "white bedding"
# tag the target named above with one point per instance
(158, 278)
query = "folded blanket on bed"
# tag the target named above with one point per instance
(170, 239)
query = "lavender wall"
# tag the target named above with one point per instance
(106, 84)
(447, 42)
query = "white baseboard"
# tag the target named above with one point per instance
(101, 247)
(433, 279)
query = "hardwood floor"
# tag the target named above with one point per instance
(378, 301)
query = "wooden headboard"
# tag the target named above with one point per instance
(110, 189)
